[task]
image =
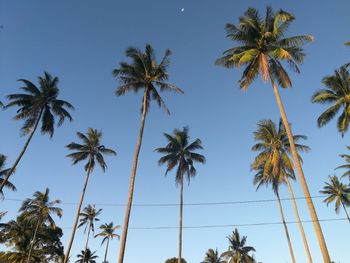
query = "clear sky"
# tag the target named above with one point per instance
(82, 41)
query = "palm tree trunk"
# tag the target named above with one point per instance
(346, 212)
(10, 172)
(105, 260)
(132, 181)
(306, 245)
(33, 241)
(285, 228)
(180, 222)
(312, 211)
(87, 241)
(77, 215)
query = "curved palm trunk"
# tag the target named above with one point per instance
(180, 221)
(346, 212)
(285, 228)
(10, 172)
(87, 241)
(77, 216)
(105, 260)
(312, 211)
(132, 181)
(33, 241)
(306, 245)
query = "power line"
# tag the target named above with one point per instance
(230, 225)
(186, 204)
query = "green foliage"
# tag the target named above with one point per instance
(40, 103)
(145, 73)
(174, 260)
(179, 152)
(3, 172)
(89, 216)
(337, 95)
(107, 232)
(238, 252)
(89, 257)
(262, 46)
(212, 256)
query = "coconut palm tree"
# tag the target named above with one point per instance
(107, 232)
(262, 47)
(3, 173)
(146, 74)
(347, 43)
(238, 252)
(337, 192)
(39, 209)
(263, 177)
(212, 256)
(38, 104)
(337, 95)
(345, 166)
(179, 153)
(87, 218)
(91, 150)
(88, 257)
(274, 155)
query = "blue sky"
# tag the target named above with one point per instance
(82, 41)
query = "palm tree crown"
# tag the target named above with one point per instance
(91, 149)
(3, 173)
(336, 94)
(336, 192)
(40, 208)
(179, 152)
(107, 232)
(89, 216)
(40, 103)
(262, 45)
(144, 72)
(86, 257)
(238, 251)
(212, 256)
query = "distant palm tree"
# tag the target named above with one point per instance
(262, 46)
(3, 173)
(336, 94)
(275, 180)
(180, 153)
(107, 233)
(35, 105)
(87, 218)
(337, 192)
(212, 256)
(88, 257)
(39, 209)
(345, 166)
(238, 252)
(347, 43)
(146, 74)
(91, 150)
(274, 156)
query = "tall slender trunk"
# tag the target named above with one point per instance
(285, 228)
(105, 260)
(132, 181)
(77, 215)
(87, 241)
(346, 212)
(33, 240)
(312, 211)
(180, 221)
(306, 245)
(10, 172)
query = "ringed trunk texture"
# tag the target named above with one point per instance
(180, 221)
(10, 172)
(132, 181)
(105, 260)
(306, 245)
(286, 229)
(346, 212)
(87, 242)
(33, 241)
(312, 211)
(77, 216)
